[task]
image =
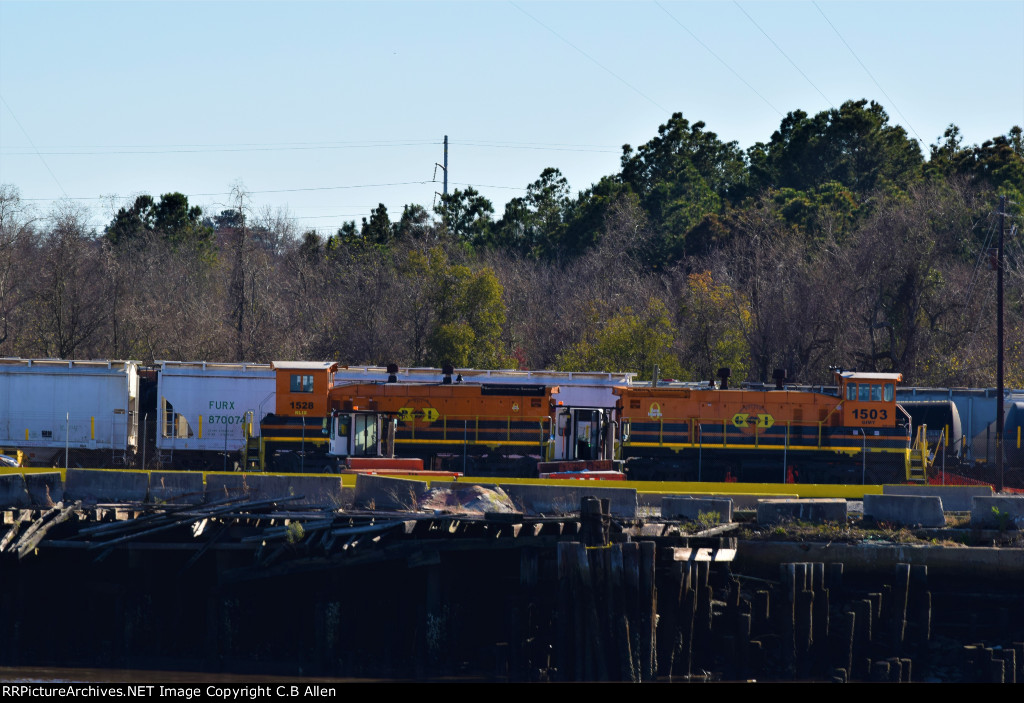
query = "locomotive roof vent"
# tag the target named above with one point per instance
(780, 376)
(723, 374)
(392, 373)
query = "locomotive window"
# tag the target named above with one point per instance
(365, 435)
(301, 384)
(865, 391)
(888, 392)
(876, 391)
(851, 391)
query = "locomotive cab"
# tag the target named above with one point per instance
(583, 434)
(302, 387)
(354, 433)
(869, 399)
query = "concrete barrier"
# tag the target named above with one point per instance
(740, 501)
(12, 491)
(923, 511)
(45, 490)
(817, 510)
(691, 508)
(954, 498)
(315, 491)
(346, 497)
(386, 493)
(563, 500)
(180, 487)
(998, 512)
(94, 486)
(308, 491)
(221, 486)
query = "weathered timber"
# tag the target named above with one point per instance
(30, 539)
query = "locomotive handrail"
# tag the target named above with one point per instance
(696, 425)
(941, 444)
(457, 427)
(909, 419)
(821, 423)
(920, 444)
(659, 432)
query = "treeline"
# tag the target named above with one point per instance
(836, 242)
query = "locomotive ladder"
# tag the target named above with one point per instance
(920, 462)
(252, 453)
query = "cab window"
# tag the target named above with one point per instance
(876, 391)
(864, 392)
(301, 383)
(888, 392)
(851, 391)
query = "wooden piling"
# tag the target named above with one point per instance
(900, 591)
(648, 611)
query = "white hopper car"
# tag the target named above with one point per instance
(205, 411)
(84, 413)
(200, 414)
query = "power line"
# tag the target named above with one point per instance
(325, 217)
(779, 48)
(37, 152)
(484, 185)
(599, 150)
(532, 144)
(366, 142)
(594, 61)
(233, 148)
(720, 60)
(217, 150)
(319, 188)
(877, 85)
(258, 192)
(293, 190)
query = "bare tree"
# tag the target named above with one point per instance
(899, 266)
(16, 231)
(70, 301)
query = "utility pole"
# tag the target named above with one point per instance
(238, 276)
(999, 348)
(444, 189)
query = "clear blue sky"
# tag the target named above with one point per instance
(327, 108)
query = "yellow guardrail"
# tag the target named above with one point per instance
(804, 490)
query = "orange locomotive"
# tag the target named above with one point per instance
(490, 429)
(699, 434)
(856, 434)
(479, 429)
